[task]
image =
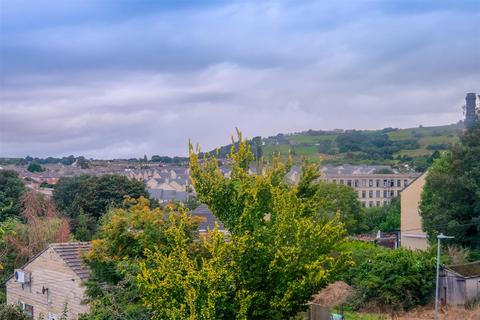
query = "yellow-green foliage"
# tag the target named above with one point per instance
(125, 236)
(280, 250)
(177, 285)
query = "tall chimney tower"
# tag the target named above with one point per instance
(470, 112)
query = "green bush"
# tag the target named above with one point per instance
(395, 280)
(35, 167)
(360, 252)
(11, 190)
(84, 199)
(386, 219)
(11, 312)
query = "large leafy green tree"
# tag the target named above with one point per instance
(11, 190)
(330, 199)
(177, 284)
(279, 251)
(82, 162)
(86, 198)
(334, 198)
(124, 237)
(392, 216)
(35, 167)
(283, 249)
(386, 218)
(20, 240)
(451, 196)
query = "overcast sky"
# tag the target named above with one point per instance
(118, 78)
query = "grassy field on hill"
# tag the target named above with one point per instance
(412, 146)
(395, 145)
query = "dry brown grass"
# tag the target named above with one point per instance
(451, 313)
(339, 292)
(333, 295)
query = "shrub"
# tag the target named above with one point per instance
(458, 255)
(361, 252)
(35, 167)
(11, 189)
(395, 280)
(11, 312)
(386, 219)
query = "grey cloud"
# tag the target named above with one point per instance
(145, 85)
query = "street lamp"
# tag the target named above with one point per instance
(439, 238)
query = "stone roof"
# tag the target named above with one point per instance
(181, 181)
(168, 195)
(181, 196)
(351, 170)
(71, 253)
(155, 193)
(160, 180)
(164, 175)
(468, 270)
(180, 170)
(209, 219)
(50, 174)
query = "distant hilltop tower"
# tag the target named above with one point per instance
(470, 109)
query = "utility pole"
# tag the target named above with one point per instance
(439, 238)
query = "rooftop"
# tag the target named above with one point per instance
(209, 219)
(71, 253)
(350, 169)
(468, 270)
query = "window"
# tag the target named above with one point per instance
(378, 183)
(392, 183)
(385, 202)
(378, 203)
(370, 183)
(363, 204)
(370, 194)
(334, 180)
(364, 194)
(405, 183)
(377, 194)
(356, 184)
(392, 193)
(349, 183)
(27, 309)
(385, 193)
(399, 183)
(385, 183)
(341, 181)
(370, 204)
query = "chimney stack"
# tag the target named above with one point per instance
(470, 109)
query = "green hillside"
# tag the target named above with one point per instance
(413, 146)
